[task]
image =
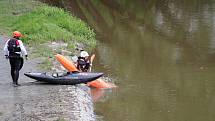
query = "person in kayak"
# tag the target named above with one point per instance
(14, 50)
(77, 52)
(83, 62)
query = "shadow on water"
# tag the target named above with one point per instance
(162, 53)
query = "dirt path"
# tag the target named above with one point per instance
(39, 102)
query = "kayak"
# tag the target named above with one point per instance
(70, 66)
(67, 64)
(99, 83)
(71, 78)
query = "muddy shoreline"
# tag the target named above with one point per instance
(38, 102)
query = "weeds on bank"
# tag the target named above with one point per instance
(41, 23)
(50, 23)
(11, 9)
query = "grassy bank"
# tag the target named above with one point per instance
(41, 24)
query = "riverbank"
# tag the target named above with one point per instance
(43, 25)
(47, 30)
(40, 102)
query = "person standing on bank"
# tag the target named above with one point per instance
(14, 50)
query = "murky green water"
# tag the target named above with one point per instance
(161, 54)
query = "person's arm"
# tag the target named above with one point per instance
(23, 50)
(6, 49)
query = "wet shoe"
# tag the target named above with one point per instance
(16, 85)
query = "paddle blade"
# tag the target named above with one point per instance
(92, 58)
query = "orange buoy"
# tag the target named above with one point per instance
(70, 66)
(67, 64)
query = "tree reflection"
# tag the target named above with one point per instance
(165, 46)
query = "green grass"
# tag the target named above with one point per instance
(11, 9)
(53, 24)
(43, 23)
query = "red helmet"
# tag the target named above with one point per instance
(17, 34)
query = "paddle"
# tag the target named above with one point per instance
(91, 61)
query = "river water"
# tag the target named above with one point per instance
(160, 53)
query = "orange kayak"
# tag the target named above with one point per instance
(99, 83)
(70, 66)
(67, 64)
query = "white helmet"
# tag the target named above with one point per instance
(84, 54)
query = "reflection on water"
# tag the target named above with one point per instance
(162, 53)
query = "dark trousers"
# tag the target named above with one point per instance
(16, 64)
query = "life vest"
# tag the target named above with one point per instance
(13, 46)
(83, 64)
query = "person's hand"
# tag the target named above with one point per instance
(26, 57)
(6, 56)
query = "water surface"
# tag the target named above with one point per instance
(161, 54)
